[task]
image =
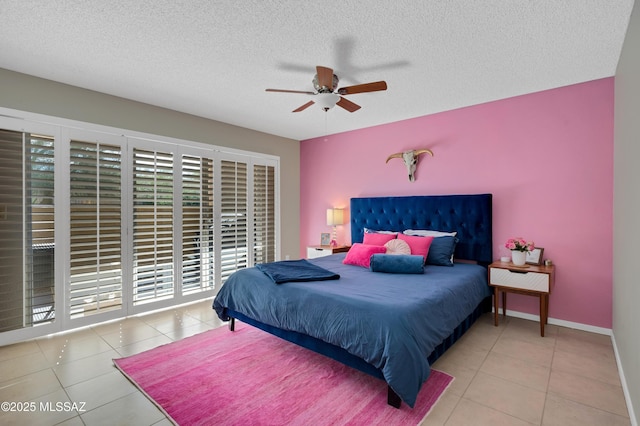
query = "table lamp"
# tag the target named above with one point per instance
(335, 217)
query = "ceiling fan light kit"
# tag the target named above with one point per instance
(328, 96)
(326, 101)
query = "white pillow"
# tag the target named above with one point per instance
(428, 233)
(375, 231)
(396, 246)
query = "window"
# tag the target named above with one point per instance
(95, 192)
(153, 271)
(27, 264)
(233, 217)
(198, 259)
(264, 235)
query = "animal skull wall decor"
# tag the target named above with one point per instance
(410, 159)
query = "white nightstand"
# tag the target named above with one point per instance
(533, 280)
(320, 251)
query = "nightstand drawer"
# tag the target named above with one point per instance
(522, 280)
(313, 252)
(321, 251)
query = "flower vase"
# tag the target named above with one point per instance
(519, 258)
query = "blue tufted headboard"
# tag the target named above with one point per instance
(469, 215)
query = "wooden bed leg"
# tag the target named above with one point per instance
(232, 324)
(392, 398)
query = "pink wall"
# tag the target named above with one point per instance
(546, 157)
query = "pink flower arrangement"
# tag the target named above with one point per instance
(519, 244)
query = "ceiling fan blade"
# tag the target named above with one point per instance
(325, 77)
(348, 105)
(362, 88)
(290, 91)
(303, 107)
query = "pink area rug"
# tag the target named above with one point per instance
(249, 377)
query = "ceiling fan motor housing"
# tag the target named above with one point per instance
(324, 89)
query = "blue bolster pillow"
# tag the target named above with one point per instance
(397, 263)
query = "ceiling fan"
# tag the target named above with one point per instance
(327, 93)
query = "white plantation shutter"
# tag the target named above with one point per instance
(153, 269)
(198, 260)
(95, 279)
(40, 262)
(27, 267)
(264, 235)
(138, 222)
(233, 217)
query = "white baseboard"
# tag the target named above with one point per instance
(623, 381)
(561, 323)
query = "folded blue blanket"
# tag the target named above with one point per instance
(397, 263)
(295, 271)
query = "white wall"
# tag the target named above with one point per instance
(626, 215)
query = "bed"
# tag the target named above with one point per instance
(392, 326)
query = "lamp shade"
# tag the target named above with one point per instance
(335, 217)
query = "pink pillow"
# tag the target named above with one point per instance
(360, 254)
(376, 239)
(418, 245)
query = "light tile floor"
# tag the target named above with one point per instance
(509, 375)
(506, 375)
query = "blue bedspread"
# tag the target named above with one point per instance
(296, 271)
(392, 321)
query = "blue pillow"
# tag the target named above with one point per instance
(441, 251)
(397, 263)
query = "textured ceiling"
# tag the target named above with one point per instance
(216, 58)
